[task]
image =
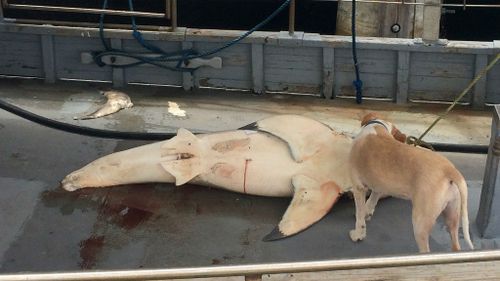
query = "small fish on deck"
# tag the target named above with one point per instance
(116, 101)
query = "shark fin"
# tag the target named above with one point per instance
(303, 135)
(310, 203)
(181, 156)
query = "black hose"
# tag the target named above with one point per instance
(70, 128)
(81, 130)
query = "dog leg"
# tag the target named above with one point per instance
(359, 233)
(424, 214)
(371, 203)
(451, 216)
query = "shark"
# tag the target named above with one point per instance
(279, 156)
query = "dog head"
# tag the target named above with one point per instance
(373, 118)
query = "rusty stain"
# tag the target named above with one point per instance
(230, 145)
(89, 249)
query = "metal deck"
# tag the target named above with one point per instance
(45, 228)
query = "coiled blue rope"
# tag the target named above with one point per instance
(358, 84)
(179, 56)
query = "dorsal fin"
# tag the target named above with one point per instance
(303, 135)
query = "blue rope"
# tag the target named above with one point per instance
(358, 84)
(179, 57)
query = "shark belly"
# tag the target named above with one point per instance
(248, 162)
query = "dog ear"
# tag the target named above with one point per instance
(368, 117)
(398, 135)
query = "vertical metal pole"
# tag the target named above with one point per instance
(174, 14)
(488, 216)
(1, 10)
(291, 18)
(168, 9)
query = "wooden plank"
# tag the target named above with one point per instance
(403, 74)
(432, 18)
(437, 88)
(21, 55)
(369, 61)
(293, 88)
(49, 68)
(287, 69)
(224, 83)
(471, 271)
(374, 85)
(152, 75)
(118, 73)
(236, 66)
(439, 77)
(258, 68)
(479, 91)
(68, 59)
(328, 72)
(442, 65)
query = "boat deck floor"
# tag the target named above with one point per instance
(45, 228)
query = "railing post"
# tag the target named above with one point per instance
(173, 13)
(488, 216)
(291, 18)
(168, 9)
(432, 19)
(1, 10)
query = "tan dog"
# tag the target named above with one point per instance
(387, 166)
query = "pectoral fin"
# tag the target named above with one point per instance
(303, 135)
(181, 156)
(311, 202)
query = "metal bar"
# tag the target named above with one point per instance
(272, 268)
(174, 15)
(168, 9)
(291, 18)
(87, 24)
(83, 10)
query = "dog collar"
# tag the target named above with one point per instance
(375, 121)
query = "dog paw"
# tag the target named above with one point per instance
(357, 235)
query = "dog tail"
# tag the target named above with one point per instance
(464, 214)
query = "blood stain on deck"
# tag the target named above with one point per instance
(89, 250)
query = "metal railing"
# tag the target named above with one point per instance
(260, 269)
(170, 12)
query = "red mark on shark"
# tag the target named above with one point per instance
(245, 176)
